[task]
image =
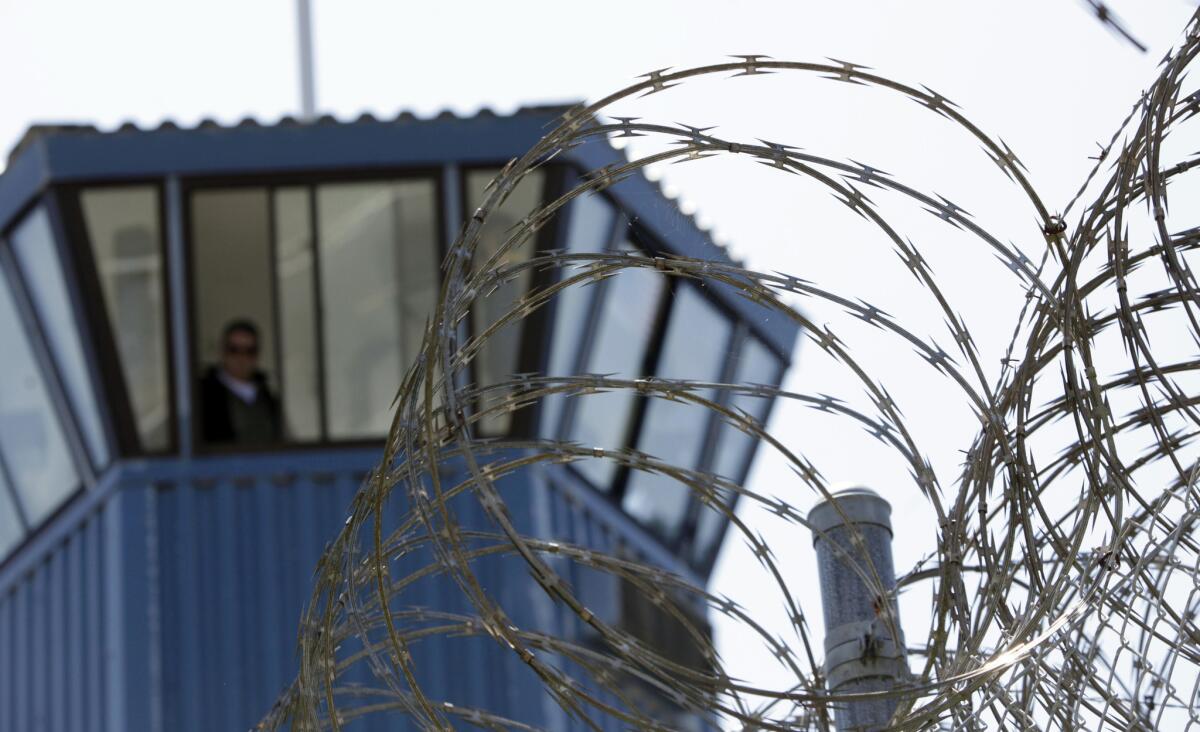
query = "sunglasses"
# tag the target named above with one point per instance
(241, 350)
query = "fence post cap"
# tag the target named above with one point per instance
(858, 504)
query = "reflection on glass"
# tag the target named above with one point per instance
(588, 231)
(708, 530)
(754, 364)
(37, 255)
(297, 313)
(498, 360)
(231, 269)
(10, 525)
(378, 286)
(623, 329)
(694, 348)
(123, 228)
(32, 444)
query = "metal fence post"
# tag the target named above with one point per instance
(861, 654)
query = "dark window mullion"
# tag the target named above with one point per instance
(533, 352)
(467, 329)
(173, 222)
(185, 195)
(273, 274)
(452, 192)
(318, 309)
(72, 273)
(397, 214)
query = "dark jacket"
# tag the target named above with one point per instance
(216, 421)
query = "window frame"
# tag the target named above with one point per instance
(533, 353)
(60, 405)
(741, 330)
(571, 177)
(310, 180)
(126, 440)
(70, 273)
(641, 412)
(742, 333)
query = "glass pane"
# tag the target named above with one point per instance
(754, 364)
(10, 526)
(32, 444)
(231, 264)
(708, 529)
(296, 282)
(694, 348)
(379, 280)
(623, 329)
(232, 283)
(498, 360)
(588, 231)
(37, 255)
(123, 228)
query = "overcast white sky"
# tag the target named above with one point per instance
(1041, 74)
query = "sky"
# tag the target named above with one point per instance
(1041, 74)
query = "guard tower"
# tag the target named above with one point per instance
(151, 579)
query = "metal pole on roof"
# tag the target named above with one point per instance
(308, 84)
(861, 653)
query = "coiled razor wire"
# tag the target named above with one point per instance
(1064, 582)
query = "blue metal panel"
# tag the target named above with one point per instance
(77, 612)
(21, 182)
(126, 608)
(270, 631)
(39, 676)
(208, 627)
(169, 535)
(237, 150)
(7, 661)
(246, 570)
(57, 678)
(186, 613)
(96, 642)
(22, 692)
(234, 546)
(226, 696)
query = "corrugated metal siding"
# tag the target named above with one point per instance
(236, 560)
(52, 639)
(174, 605)
(236, 557)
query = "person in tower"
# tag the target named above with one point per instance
(236, 405)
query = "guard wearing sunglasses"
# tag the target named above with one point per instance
(236, 406)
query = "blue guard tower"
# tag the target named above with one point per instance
(153, 579)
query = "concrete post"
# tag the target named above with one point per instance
(860, 653)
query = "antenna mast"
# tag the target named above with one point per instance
(308, 90)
